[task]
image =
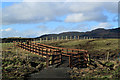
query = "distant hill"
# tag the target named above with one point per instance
(97, 33)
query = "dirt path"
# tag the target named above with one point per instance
(51, 73)
(55, 71)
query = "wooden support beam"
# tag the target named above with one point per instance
(47, 60)
(60, 58)
(70, 61)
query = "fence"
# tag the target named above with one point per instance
(58, 38)
(54, 55)
(44, 39)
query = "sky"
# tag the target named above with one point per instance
(32, 19)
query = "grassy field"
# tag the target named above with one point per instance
(99, 66)
(17, 63)
(98, 48)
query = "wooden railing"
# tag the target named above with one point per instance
(54, 55)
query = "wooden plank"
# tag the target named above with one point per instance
(70, 61)
(60, 48)
(41, 49)
(47, 60)
(61, 58)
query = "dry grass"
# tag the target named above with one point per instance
(17, 63)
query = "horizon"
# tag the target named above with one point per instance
(60, 33)
(33, 19)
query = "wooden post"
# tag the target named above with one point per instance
(40, 40)
(46, 39)
(34, 41)
(88, 59)
(52, 39)
(60, 57)
(74, 37)
(67, 51)
(108, 56)
(70, 37)
(66, 38)
(47, 61)
(51, 58)
(57, 38)
(42, 52)
(16, 50)
(84, 37)
(62, 38)
(30, 45)
(78, 37)
(70, 59)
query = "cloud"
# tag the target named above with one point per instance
(102, 25)
(75, 18)
(8, 29)
(28, 12)
(87, 11)
(36, 12)
(80, 17)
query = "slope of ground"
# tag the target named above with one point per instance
(98, 48)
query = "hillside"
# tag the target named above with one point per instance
(98, 48)
(97, 33)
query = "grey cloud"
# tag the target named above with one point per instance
(111, 7)
(102, 25)
(80, 17)
(31, 12)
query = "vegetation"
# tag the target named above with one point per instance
(98, 48)
(17, 63)
(99, 66)
(100, 69)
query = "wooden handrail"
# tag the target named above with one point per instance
(46, 50)
(62, 48)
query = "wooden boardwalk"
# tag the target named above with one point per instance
(54, 55)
